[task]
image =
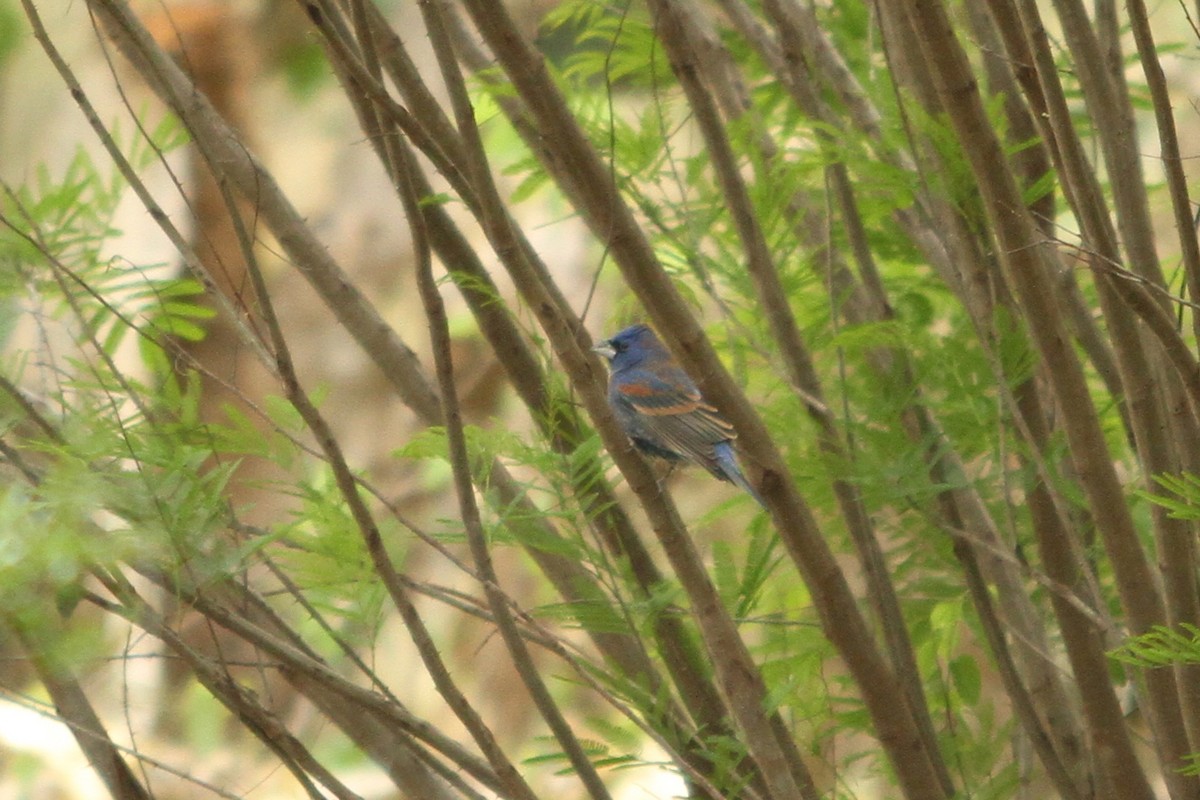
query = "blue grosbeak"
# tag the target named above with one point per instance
(663, 412)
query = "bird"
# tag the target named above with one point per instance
(662, 411)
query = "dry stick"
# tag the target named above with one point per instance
(74, 708)
(947, 469)
(481, 63)
(442, 147)
(612, 221)
(563, 430)
(366, 730)
(1183, 604)
(1110, 107)
(397, 362)
(1014, 686)
(499, 329)
(393, 747)
(677, 31)
(222, 686)
(266, 632)
(740, 680)
(568, 575)
(509, 776)
(1171, 157)
(248, 177)
(403, 71)
(677, 646)
(1020, 59)
(395, 584)
(178, 240)
(536, 634)
(1170, 719)
(435, 313)
(41, 708)
(1108, 101)
(1033, 162)
(871, 305)
(1091, 659)
(1084, 648)
(1028, 269)
(1110, 33)
(360, 318)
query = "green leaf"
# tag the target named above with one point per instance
(968, 681)
(1161, 646)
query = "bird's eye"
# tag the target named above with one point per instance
(619, 346)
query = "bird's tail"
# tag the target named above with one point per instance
(728, 469)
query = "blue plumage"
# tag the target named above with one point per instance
(663, 412)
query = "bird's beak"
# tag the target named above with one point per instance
(605, 349)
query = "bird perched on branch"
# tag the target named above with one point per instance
(663, 412)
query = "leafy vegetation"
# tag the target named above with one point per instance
(411, 548)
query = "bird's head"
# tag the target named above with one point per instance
(629, 346)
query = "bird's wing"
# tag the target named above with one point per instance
(674, 412)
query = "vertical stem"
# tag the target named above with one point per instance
(435, 312)
(677, 32)
(1027, 268)
(77, 712)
